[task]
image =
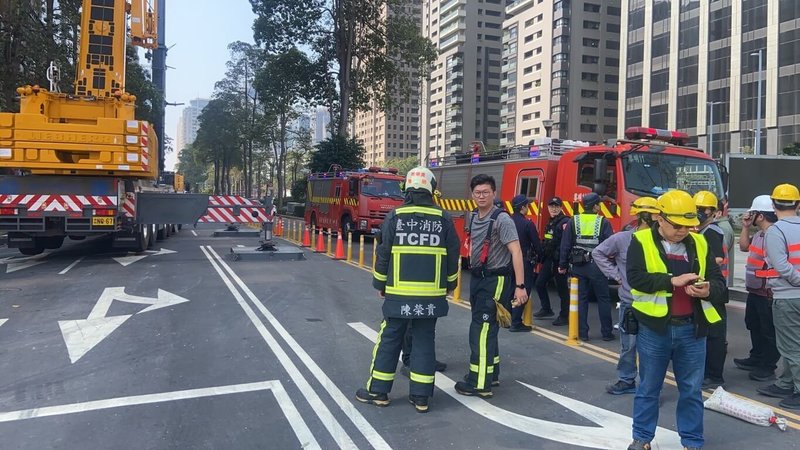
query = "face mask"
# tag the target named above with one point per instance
(702, 216)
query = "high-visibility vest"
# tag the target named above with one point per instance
(587, 230)
(793, 256)
(756, 263)
(655, 304)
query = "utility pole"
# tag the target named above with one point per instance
(160, 81)
(760, 54)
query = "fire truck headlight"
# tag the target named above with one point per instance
(362, 224)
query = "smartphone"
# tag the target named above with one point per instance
(700, 283)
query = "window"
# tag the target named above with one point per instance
(527, 102)
(687, 71)
(788, 95)
(614, 11)
(591, 25)
(659, 80)
(634, 87)
(588, 111)
(527, 70)
(561, 4)
(660, 45)
(689, 34)
(528, 54)
(561, 40)
(612, 45)
(612, 62)
(788, 10)
(559, 92)
(612, 27)
(588, 93)
(754, 15)
(588, 42)
(588, 76)
(788, 48)
(559, 23)
(527, 85)
(526, 132)
(661, 10)
(560, 74)
(560, 57)
(562, 109)
(750, 62)
(526, 117)
(749, 101)
(611, 95)
(529, 187)
(658, 116)
(610, 130)
(633, 118)
(719, 64)
(586, 59)
(719, 24)
(636, 18)
(635, 53)
(591, 7)
(612, 79)
(588, 128)
(610, 112)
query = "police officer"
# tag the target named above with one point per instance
(583, 233)
(716, 347)
(417, 263)
(531, 248)
(549, 261)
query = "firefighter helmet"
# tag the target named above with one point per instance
(420, 178)
(679, 208)
(590, 200)
(762, 203)
(644, 204)
(706, 199)
(785, 193)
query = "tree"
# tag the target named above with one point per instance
(139, 82)
(792, 149)
(299, 190)
(403, 165)
(347, 153)
(219, 138)
(370, 56)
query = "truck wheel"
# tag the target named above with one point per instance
(142, 238)
(51, 242)
(31, 251)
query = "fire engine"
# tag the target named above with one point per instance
(352, 200)
(647, 162)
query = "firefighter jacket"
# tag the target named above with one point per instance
(651, 284)
(417, 260)
(552, 237)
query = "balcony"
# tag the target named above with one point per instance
(447, 6)
(508, 110)
(561, 47)
(510, 52)
(561, 82)
(453, 99)
(455, 14)
(453, 88)
(518, 6)
(455, 64)
(509, 67)
(453, 27)
(561, 65)
(454, 113)
(510, 81)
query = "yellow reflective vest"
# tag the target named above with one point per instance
(655, 304)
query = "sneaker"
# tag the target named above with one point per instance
(621, 387)
(792, 402)
(544, 313)
(495, 383)
(609, 337)
(420, 402)
(712, 383)
(639, 445)
(560, 321)
(440, 366)
(774, 391)
(377, 399)
(745, 363)
(464, 388)
(761, 374)
(520, 329)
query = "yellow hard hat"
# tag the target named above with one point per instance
(706, 199)
(644, 204)
(678, 207)
(786, 193)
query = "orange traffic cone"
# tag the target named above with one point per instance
(278, 226)
(339, 247)
(320, 243)
(306, 237)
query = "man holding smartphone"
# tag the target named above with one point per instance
(675, 283)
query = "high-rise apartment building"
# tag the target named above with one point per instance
(463, 92)
(560, 63)
(320, 125)
(696, 66)
(188, 123)
(393, 133)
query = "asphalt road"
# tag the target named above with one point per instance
(183, 347)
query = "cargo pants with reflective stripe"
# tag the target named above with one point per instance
(484, 361)
(387, 351)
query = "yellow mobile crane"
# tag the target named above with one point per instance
(81, 164)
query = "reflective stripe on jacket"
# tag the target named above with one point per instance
(756, 263)
(587, 230)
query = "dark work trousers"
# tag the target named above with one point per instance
(406, 355)
(387, 350)
(717, 346)
(530, 277)
(548, 272)
(484, 361)
(592, 282)
(758, 319)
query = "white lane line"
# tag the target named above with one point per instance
(326, 417)
(194, 233)
(71, 266)
(346, 405)
(240, 245)
(301, 430)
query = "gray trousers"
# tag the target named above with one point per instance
(786, 316)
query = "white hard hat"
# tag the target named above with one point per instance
(762, 203)
(421, 178)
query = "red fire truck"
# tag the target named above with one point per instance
(647, 162)
(352, 200)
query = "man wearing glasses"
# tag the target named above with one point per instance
(497, 276)
(675, 282)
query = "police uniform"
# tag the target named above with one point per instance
(417, 262)
(552, 244)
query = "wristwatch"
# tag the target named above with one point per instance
(520, 286)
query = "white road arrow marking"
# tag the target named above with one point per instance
(14, 264)
(613, 433)
(2, 321)
(82, 335)
(131, 257)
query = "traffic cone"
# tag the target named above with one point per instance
(278, 227)
(339, 247)
(320, 243)
(306, 237)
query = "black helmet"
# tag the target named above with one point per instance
(590, 200)
(519, 201)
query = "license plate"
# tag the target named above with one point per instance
(103, 221)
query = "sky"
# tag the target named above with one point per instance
(199, 32)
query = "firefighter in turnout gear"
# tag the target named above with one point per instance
(583, 233)
(716, 345)
(417, 265)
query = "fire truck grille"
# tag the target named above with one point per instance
(377, 215)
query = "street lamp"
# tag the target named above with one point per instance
(760, 54)
(548, 125)
(711, 127)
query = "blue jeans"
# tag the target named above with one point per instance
(626, 367)
(688, 355)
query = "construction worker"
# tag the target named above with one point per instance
(723, 220)
(610, 257)
(498, 276)
(583, 233)
(417, 263)
(783, 258)
(549, 265)
(531, 248)
(716, 345)
(675, 281)
(764, 356)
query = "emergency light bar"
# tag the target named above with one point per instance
(654, 134)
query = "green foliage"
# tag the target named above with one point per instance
(299, 190)
(403, 165)
(792, 149)
(149, 100)
(348, 153)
